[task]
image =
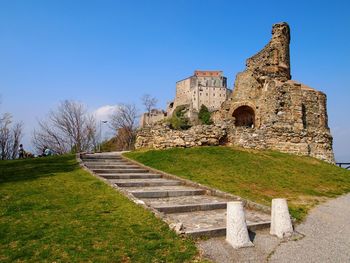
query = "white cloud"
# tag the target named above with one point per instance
(103, 112)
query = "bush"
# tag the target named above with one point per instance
(204, 115)
(178, 121)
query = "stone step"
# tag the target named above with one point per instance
(213, 222)
(130, 176)
(99, 157)
(112, 166)
(120, 171)
(190, 208)
(146, 182)
(102, 161)
(166, 193)
(185, 200)
(102, 156)
(221, 231)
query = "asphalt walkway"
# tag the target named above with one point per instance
(323, 237)
(327, 235)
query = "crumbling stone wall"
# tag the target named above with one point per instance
(161, 136)
(315, 144)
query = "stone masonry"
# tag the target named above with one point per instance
(161, 136)
(267, 110)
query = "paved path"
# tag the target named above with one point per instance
(327, 235)
(324, 237)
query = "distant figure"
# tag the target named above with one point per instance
(48, 152)
(43, 153)
(21, 152)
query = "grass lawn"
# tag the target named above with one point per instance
(255, 175)
(53, 211)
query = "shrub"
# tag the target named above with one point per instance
(178, 120)
(204, 115)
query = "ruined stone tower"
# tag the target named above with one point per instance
(274, 112)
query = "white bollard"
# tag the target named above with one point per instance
(281, 224)
(236, 227)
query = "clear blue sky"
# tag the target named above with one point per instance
(107, 52)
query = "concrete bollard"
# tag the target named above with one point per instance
(281, 224)
(236, 227)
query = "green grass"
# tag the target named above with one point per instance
(255, 175)
(53, 211)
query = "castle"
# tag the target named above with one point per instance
(207, 88)
(267, 109)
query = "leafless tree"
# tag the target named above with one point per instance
(68, 128)
(123, 122)
(10, 136)
(149, 102)
(17, 133)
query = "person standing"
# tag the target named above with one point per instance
(21, 152)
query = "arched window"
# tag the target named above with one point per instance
(245, 116)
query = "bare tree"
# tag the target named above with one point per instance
(150, 103)
(68, 128)
(10, 136)
(17, 133)
(123, 122)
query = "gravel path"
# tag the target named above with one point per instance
(327, 235)
(324, 237)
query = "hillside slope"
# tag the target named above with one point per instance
(51, 210)
(255, 175)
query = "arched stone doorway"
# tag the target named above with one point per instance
(245, 116)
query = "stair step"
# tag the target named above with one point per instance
(166, 193)
(209, 222)
(207, 232)
(116, 171)
(99, 157)
(146, 182)
(221, 231)
(190, 207)
(186, 200)
(102, 161)
(113, 166)
(130, 176)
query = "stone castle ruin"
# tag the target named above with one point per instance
(267, 110)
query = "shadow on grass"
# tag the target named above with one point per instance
(31, 169)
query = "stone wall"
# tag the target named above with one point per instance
(315, 144)
(308, 143)
(162, 137)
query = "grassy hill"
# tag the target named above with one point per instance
(255, 175)
(53, 211)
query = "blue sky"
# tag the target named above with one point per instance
(106, 52)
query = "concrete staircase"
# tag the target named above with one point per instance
(194, 209)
